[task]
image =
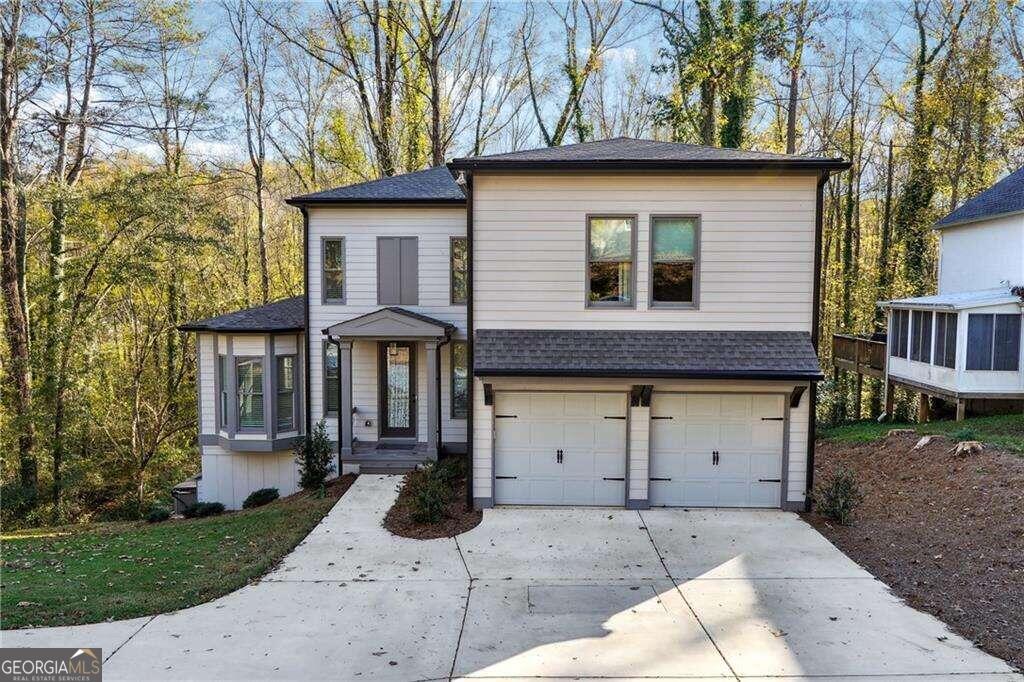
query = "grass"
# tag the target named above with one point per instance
(1003, 431)
(86, 574)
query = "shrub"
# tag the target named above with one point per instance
(16, 503)
(838, 496)
(202, 509)
(429, 501)
(960, 435)
(313, 455)
(158, 514)
(258, 498)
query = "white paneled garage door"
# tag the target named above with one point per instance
(716, 450)
(560, 448)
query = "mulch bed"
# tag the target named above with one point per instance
(457, 518)
(946, 533)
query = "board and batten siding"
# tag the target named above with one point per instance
(981, 255)
(639, 431)
(756, 249)
(360, 226)
(229, 477)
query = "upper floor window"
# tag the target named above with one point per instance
(249, 376)
(222, 381)
(285, 392)
(673, 260)
(459, 269)
(460, 379)
(397, 271)
(611, 261)
(333, 266)
(899, 333)
(993, 342)
(945, 339)
(331, 386)
(921, 342)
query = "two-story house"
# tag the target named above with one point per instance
(623, 322)
(963, 345)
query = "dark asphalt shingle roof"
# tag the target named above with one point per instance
(434, 185)
(626, 152)
(1006, 196)
(635, 353)
(286, 315)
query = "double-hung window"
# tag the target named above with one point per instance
(331, 386)
(993, 342)
(460, 379)
(459, 268)
(921, 343)
(611, 261)
(898, 333)
(332, 256)
(674, 260)
(945, 339)
(222, 382)
(285, 392)
(249, 377)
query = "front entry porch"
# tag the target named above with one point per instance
(393, 358)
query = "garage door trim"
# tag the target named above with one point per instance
(784, 485)
(494, 433)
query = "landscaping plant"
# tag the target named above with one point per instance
(838, 496)
(157, 514)
(314, 457)
(431, 488)
(203, 509)
(258, 498)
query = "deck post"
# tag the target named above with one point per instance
(890, 398)
(961, 409)
(857, 395)
(923, 409)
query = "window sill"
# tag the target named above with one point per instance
(250, 444)
(665, 305)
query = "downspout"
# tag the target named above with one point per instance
(308, 354)
(471, 377)
(815, 324)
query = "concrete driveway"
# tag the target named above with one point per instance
(545, 593)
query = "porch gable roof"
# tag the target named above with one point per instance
(391, 323)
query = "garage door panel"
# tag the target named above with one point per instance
(512, 403)
(610, 464)
(579, 435)
(542, 463)
(511, 433)
(608, 433)
(749, 450)
(546, 405)
(609, 404)
(580, 405)
(547, 434)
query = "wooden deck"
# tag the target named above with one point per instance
(859, 354)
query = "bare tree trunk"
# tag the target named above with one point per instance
(795, 66)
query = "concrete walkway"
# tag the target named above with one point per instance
(545, 593)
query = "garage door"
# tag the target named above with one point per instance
(716, 450)
(560, 448)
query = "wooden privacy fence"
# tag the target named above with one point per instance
(860, 355)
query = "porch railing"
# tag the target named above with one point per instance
(858, 354)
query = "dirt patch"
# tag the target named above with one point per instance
(945, 532)
(457, 518)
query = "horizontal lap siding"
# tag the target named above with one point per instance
(756, 249)
(360, 227)
(207, 362)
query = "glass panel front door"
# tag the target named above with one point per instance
(398, 390)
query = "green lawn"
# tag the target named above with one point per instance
(72, 575)
(1003, 431)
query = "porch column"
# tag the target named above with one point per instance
(345, 398)
(433, 396)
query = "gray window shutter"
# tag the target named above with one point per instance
(388, 258)
(409, 284)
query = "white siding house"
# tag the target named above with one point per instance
(614, 323)
(963, 344)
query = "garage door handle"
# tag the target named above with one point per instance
(773, 419)
(613, 479)
(614, 417)
(660, 479)
(769, 480)
(661, 417)
(505, 478)
(506, 416)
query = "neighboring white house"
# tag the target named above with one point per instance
(963, 344)
(643, 320)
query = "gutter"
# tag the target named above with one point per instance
(470, 164)
(469, 341)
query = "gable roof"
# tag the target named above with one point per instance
(286, 315)
(630, 153)
(645, 354)
(391, 322)
(430, 186)
(1004, 197)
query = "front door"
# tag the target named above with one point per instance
(397, 372)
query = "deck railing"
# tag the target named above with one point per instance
(857, 354)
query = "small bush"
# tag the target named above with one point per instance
(203, 509)
(960, 435)
(258, 498)
(838, 496)
(158, 514)
(429, 501)
(314, 457)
